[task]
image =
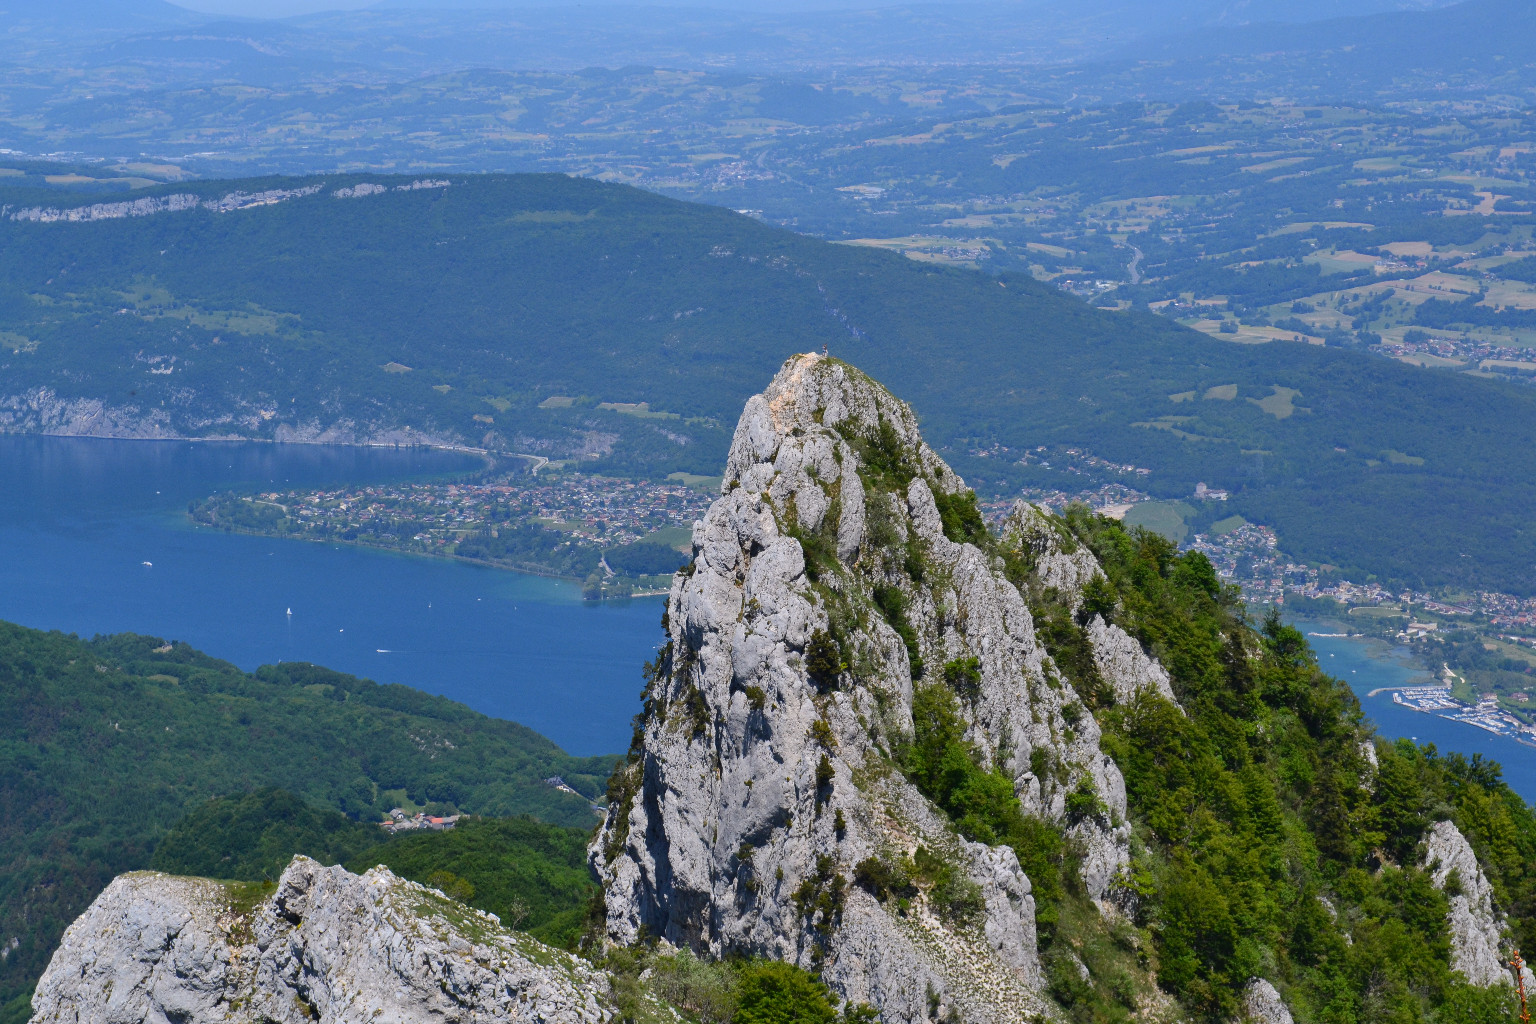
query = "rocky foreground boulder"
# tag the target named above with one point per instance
(323, 945)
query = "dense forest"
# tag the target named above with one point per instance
(572, 302)
(1266, 842)
(107, 744)
(531, 874)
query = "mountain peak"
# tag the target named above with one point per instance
(845, 605)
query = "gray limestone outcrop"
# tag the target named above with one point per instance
(824, 589)
(1124, 665)
(1263, 1005)
(1065, 566)
(1476, 929)
(325, 945)
(1061, 563)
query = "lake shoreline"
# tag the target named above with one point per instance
(437, 446)
(1375, 670)
(80, 517)
(430, 555)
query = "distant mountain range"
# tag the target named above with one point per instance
(1476, 29)
(85, 15)
(401, 36)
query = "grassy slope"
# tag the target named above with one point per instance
(104, 745)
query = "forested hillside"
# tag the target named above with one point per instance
(598, 323)
(105, 744)
(531, 874)
(1274, 842)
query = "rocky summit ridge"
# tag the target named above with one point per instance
(322, 945)
(849, 649)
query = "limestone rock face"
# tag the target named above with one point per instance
(1060, 562)
(325, 945)
(1124, 665)
(1263, 1005)
(1476, 930)
(823, 590)
(1064, 565)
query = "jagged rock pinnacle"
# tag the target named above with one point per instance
(832, 578)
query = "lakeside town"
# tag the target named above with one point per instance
(565, 525)
(1249, 555)
(624, 536)
(597, 509)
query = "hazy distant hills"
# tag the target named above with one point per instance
(1089, 50)
(622, 331)
(38, 28)
(417, 36)
(1479, 51)
(1474, 30)
(95, 14)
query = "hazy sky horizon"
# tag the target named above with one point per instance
(289, 8)
(271, 8)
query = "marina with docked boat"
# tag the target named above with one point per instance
(1487, 713)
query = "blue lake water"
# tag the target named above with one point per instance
(1371, 665)
(79, 517)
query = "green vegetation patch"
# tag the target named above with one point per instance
(1398, 458)
(1280, 403)
(1227, 525)
(531, 875)
(96, 768)
(252, 837)
(707, 484)
(735, 991)
(642, 410)
(983, 807)
(1167, 518)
